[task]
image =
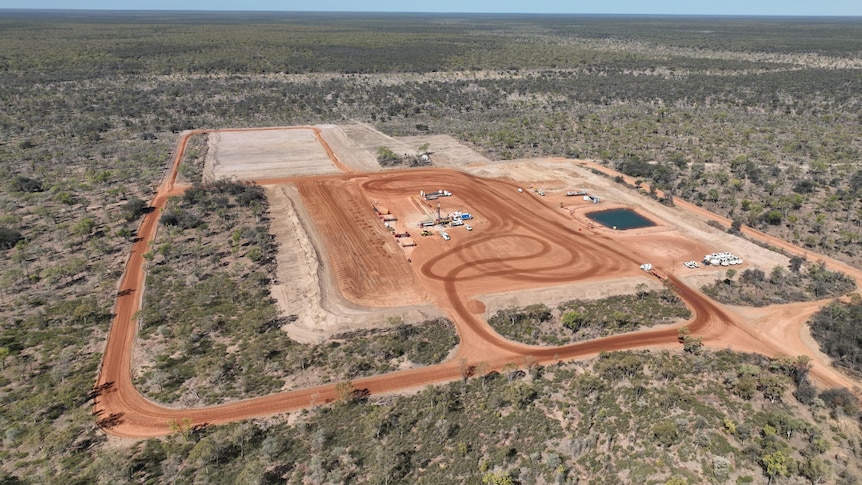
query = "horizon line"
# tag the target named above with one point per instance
(388, 12)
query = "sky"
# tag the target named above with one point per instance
(656, 7)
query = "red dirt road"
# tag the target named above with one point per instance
(518, 243)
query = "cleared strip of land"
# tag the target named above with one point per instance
(521, 241)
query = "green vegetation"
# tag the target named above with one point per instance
(387, 158)
(756, 119)
(192, 166)
(577, 320)
(836, 328)
(755, 288)
(9, 238)
(625, 416)
(209, 328)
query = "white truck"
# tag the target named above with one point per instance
(445, 235)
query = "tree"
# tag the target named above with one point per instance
(753, 276)
(776, 276)
(497, 478)
(773, 217)
(692, 345)
(774, 386)
(26, 184)
(181, 428)
(841, 398)
(344, 391)
(236, 242)
(682, 333)
(801, 366)
(9, 238)
(387, 157)
(745, 387)
(815, 469)
(133, 209)
(856, 183)
(574, 320)
(775, 464)
(729, 276)
(84, 227)
(796, 263)
(666, 433)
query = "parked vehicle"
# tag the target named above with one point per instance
(468, 227)
(445, 235)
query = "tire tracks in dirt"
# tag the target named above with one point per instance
(543, 249)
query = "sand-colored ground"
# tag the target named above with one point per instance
(306, 288)
(332, 236)
(265, 154)
(446, 151)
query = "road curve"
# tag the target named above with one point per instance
(122, 411)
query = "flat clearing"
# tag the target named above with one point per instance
(351, 253)
(265, 154)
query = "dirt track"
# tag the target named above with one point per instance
(519, 242)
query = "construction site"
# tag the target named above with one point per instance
(359, 243)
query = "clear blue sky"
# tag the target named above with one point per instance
(681, 7)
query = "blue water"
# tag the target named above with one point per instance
(621, 219)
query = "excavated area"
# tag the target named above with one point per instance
(367, 262)
(521, 242)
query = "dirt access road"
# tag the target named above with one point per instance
(519, 242)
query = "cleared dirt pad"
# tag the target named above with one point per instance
(305, 285)
(446, 151)
(360, 157)
(369, 266)
(266, 154)
(521, 241)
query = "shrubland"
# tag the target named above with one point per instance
(836, 328)
(801, 281)
(624, 417)
(579, 320)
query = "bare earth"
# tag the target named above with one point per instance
(303, 288)
(265, 154)
(340, 268)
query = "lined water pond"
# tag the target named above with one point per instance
(621, 219)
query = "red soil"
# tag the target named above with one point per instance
(518, 242)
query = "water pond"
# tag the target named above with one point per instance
(620, 219)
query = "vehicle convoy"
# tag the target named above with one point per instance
(722, 259)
